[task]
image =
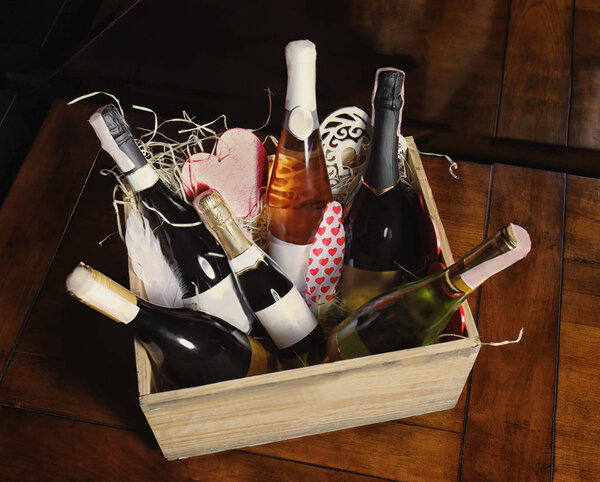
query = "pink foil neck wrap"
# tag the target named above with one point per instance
(477, 275)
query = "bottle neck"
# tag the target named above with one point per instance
(381, 172)
(496, 253)
(301, 58)
(301, 100)
(102, 294)
(231, 238)
(116, 139)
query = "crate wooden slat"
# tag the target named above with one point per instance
(306, 401)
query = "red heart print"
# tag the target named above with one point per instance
(337, 209)
(343, 250)
(314, 298)
(317, 251)
(329, 219)
(321, 230)
(310, 260)
(307, 278)
(341, 240)
(323, 261)
(334, 280)
(319, 280)
(329, 297)
(312, 289)
(314, 271)
(335, 231)
(332, 251)
(337, 260)
(328, 271)
(325, 289)
(326, 241)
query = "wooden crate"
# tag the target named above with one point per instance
(305, 401)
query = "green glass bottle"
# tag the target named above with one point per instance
(415, 314)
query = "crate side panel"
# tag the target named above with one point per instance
(260, 414)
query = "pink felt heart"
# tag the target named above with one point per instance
(237, 170)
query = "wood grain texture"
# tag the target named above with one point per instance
(584, 124)
(388, 450)
(582, 225)
(448, 46)
(577, 439)
(36, 211)
(55, 367)
(510, 414)
(42, 447)
(535, 94)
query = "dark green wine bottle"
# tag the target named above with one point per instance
(188, 348)
(416, 313)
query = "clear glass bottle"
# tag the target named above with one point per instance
(299, 185)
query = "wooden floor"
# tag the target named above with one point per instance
(511, 81)
(68, 400)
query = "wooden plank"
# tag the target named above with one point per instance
(535, 92)
(454, 64)
(35, 446)
(582, 224)
(510, 414)
(36, 211)
(577, 439)
(584, 124)
(55, 367)
(388, 450)
(462, 204)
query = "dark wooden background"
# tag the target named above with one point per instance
(515, 81)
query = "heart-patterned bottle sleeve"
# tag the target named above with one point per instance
(326, 259)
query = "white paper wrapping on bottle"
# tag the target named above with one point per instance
(477, 275)
(292, 258)
(300, 56)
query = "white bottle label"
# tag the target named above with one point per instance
(293, 260)
(288, 320)
(248, 259)
(222, 301)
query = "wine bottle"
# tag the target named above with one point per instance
(416, 313)
(270, 293)
(385, 225)
(190, 250)
(186, 347)
(299, 185)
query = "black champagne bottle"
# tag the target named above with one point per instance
(190, 250)
(386, 223)
(272, 296)
(188, 348)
